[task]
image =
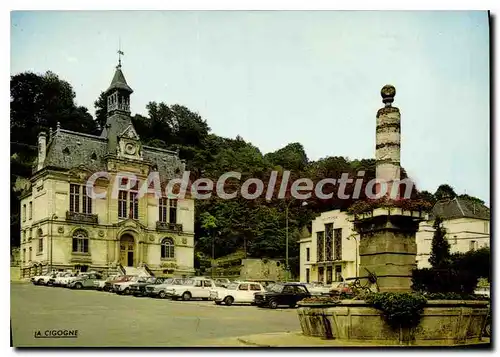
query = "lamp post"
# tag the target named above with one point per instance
(286, 238)
(355, 236)
(51, 238)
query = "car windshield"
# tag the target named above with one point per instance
(187, 282)
(275, 288)
(232, 286)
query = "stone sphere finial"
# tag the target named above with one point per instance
(388, 92)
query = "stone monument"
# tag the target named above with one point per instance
(387, 235)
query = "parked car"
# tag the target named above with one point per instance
(123, 287)
(139, 288)
(85, 280)
(160, 290)
(236, 293)
(318, 289)
(99, 284)
(108, 285)
(342, 288)
(192, 288)
(42, 279)
(57, 280)
(222, 282)
(484, 290)
(281, 294)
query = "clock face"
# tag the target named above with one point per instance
(130, 149)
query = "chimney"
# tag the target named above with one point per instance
(42, 149)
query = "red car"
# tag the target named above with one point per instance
(108, 285)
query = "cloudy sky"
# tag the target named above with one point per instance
(280, 77)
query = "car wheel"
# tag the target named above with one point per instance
(78, 286)
(229, 300)
(487, 330)
(273, 304)
(126, 291)
(162, 295)
(186, 296)
(292, 305)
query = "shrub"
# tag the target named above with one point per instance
(443, 281)
(399, 309)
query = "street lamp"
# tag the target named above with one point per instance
(355, 236)
(51, 238)
(286, 235)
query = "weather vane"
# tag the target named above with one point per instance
(120, 54)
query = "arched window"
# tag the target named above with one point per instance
(80, 241)
(167, 248)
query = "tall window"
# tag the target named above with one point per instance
(472, 245)
(24, 213)
(162, 209)
(29, 255)
(337, 234)
(78, 199)
(122, 204)
(328, 241)
(128, 204)
(320, 238)
(167, 248)
(172, 213)
(24, 255)
(80, 241)
(40, 245)
(308, 254)
(134, 206)
(86, 201)
(338, 273)
(30, 210)
(307, 275)
(74, 198)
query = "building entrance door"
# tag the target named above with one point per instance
(127, 247)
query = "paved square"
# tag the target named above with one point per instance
(105, 319)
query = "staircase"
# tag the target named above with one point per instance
(139, 271)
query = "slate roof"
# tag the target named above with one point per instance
(115, 125)
(119, 82)
(460, 208)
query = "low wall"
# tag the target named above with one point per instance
(444, 322)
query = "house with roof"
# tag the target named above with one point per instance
(467, 225)
(331, 253)
(62, 227)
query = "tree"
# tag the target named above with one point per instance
(101, 110)
(440, 253)
(445, 192)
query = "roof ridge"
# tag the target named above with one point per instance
(459, 206)
(80, 134)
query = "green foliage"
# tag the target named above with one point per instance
(440, 251)
(399, 309)
(476, 262)
(445, 191)
(443, 280)
(453, 296)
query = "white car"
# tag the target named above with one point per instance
(318, 289)
(484, 290)
(193, 288)
(55, 281)
(236, 293)
(42, 279)
(160, 290)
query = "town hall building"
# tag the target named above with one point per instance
(63, 228)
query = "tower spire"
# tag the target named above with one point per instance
(120, 54)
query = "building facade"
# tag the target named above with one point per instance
(63, 228)
(331, 253)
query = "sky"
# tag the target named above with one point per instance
(277, 77)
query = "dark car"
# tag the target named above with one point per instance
(139, 288)
(281, 294)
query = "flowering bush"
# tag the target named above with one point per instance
(364, 206)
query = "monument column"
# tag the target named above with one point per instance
(387, 234)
